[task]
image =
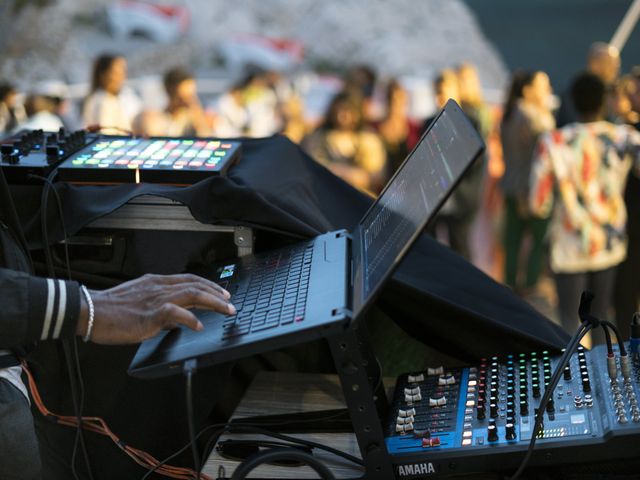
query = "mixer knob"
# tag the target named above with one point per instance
(550, 406)
(510, 430)
(622, 418)
(52, 151)
(524, 408)
(567, 373)
(635, 417)
(586, 386)
(536, 390)
(6, 149)
(481, 412)
(492, 433)
(493, 407)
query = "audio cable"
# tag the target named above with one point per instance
(588, 322)
(189, 369)
(71, 355)
(634, 341)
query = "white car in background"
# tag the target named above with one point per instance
(159, 22)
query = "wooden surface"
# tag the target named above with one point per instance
(282, 392)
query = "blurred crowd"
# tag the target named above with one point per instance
(558, 187)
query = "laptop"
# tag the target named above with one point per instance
(317, 288)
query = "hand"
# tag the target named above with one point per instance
(139, 309)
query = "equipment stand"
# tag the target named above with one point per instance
(365, 398)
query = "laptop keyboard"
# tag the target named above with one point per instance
(275, 293)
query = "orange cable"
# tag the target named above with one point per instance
(99, 426)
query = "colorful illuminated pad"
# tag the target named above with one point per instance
(154, 160)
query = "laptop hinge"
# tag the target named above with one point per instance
(344, 313)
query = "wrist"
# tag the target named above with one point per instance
(90, 321)
(83, 317)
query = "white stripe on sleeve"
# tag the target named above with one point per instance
(48, 314)
(62, 308)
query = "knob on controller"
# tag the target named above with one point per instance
(492, 432)
(481, 412)
(493, 407)
(510, 430)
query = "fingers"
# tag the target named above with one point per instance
(194, 297)
(186, 278)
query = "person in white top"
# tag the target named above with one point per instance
(105, 106)
(42, 116)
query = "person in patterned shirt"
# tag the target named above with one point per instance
(578, 176)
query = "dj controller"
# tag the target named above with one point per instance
(177, 161)
(81, 157)
(481, 418)
(34, 152)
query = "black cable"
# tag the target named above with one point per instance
(619, 339)
(76, 407)
(548, 392)
(77, 397)
(222, 427)
(44, 207)
(74, 353)
(300, 441)
(189, 368)
(185, 447)
(267, 456)
(607, 339)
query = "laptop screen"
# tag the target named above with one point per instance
(410, 199)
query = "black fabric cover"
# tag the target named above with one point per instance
(435, 295)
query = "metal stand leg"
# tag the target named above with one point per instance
(364, 401)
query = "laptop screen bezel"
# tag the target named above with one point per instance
(359, 303)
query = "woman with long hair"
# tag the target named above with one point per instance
(527, 115)
(104, 107)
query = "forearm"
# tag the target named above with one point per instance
(36, 308)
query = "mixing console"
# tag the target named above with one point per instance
(453, 421)
(34, 152)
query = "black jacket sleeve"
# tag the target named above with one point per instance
(34, 308)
